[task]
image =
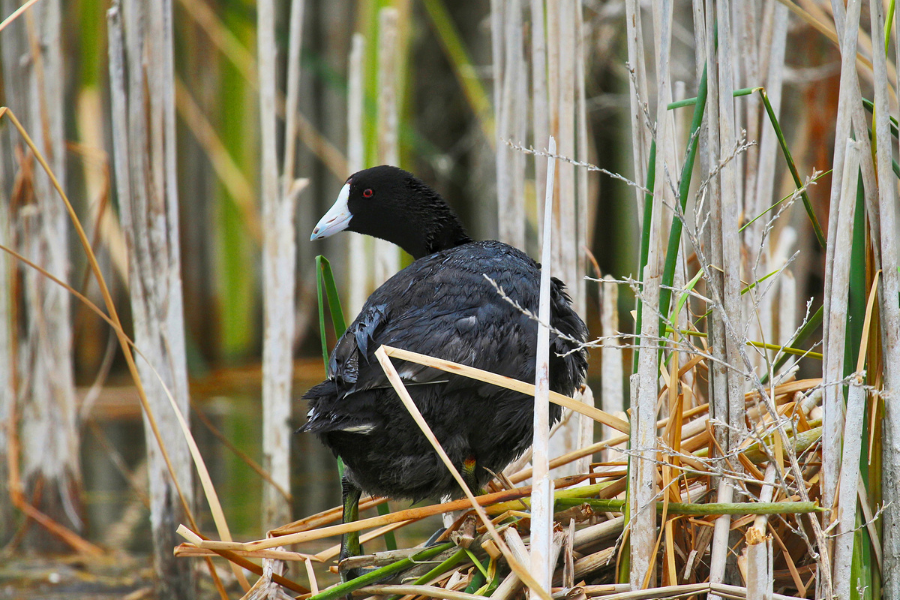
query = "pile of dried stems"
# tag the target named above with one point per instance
(590, 539)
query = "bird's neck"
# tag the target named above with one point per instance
(435, 225)
(441, 236)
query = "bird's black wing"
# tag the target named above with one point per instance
(443, 306)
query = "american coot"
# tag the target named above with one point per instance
(443, 306)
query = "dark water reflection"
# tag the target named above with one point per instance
(117, 516)
(115, 510)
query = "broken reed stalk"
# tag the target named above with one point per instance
(542, 492)
(849, 478)
(759, 576)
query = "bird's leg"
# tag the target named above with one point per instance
(449, 518)
(350, 541)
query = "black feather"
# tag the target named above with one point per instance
(440, 305)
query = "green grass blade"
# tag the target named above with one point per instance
(322, 333)
(476, 583)
(887, 26)
(862, 561)
(693, 101)
(870, 106)
(344, 589)
(687, 288)
(334, 301)
(477, 563)
(684, 189)
(763, 345)
(857, 297)
(807, 203)
(689, 508)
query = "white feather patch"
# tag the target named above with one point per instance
(363, 429)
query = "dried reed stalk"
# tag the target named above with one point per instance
(387, 256)
(508, 383)
(860, 129)
(759, 576)
(717, 391)
(582, 154)
(567, 251)
(890, 312)
(724, 210)
(358, 258)
(511, 109)
(833, 368)
(7, 352)
(643, 441)
(640, 137)
(33, 66)
(565, 230)
(830, 453)
(748, 116)
(850, 476)
(279, 263)
(612, 392)
(144, 117)
(539, 101)
(542, 492)
(773, 45)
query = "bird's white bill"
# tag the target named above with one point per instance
(336, 219)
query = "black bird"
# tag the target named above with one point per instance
(443, 306)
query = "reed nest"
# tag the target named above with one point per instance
(591, 513)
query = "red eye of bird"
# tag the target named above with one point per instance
(368, 193)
